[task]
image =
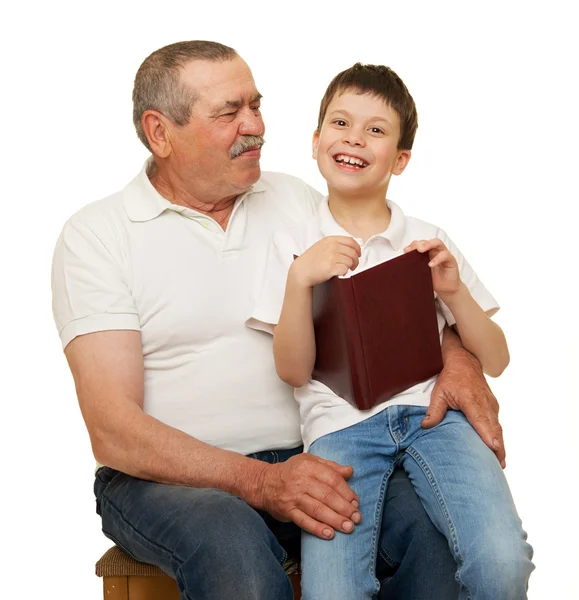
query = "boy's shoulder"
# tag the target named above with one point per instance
(418, 229)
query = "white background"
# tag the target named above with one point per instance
(495, 164)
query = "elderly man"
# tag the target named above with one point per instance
(197, 440)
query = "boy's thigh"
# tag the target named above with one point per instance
(345, 566)
(459, 481)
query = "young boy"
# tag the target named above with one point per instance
(365, 132)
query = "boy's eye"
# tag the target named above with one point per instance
(340, 122)
(376, 130)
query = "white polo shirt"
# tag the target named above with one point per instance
(136, 261)
(321, 411)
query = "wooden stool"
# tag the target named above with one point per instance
(127, 579)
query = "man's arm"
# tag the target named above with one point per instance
(462, 386)
(108, 371)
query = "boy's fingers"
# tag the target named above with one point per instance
(440, 258)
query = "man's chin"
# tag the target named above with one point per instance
(249, 176)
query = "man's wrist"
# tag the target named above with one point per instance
(250, 480)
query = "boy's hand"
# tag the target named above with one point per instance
(445, 274)
(332, 256)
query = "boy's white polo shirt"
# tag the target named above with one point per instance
(136, 261)
(321, 411)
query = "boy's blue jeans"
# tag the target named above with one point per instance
(461, 486)
(217, 547)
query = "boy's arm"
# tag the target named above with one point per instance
(479, 334)
(293, 339)
(294, 347)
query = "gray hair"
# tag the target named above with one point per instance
(158, 83)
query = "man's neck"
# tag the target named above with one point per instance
(362, 216)
(176, 191)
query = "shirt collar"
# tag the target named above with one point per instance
(394, 232)
(144, 203)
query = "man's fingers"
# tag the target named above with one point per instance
(435, 412)
(342, 469)
(490, 431)
(335, 478)
(312, 526)
(318, 505)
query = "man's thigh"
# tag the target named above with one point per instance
(207, 539)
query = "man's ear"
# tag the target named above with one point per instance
(155, 126)
(315, 142)
(401, 162)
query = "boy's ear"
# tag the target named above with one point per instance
(401, 162)
(315, 142)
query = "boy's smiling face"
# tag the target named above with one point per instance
(357, 147)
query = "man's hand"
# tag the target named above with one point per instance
(313, 493)
(462, 386)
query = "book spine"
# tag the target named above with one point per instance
(357, 359)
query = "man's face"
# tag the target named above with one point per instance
(356, 148)
(212, 150)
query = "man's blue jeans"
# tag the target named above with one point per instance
(218, 547)
(461, 486)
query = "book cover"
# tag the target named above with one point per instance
(376, 331)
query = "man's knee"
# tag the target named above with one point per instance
(234, 554)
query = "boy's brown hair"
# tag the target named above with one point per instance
(382, 82)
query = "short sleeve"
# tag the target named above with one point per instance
(475, 286)
(89, 291)
(270, 288)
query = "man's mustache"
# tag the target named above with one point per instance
(245, 143)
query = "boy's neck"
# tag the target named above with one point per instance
(362, 216)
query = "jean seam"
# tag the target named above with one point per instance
(377, 522)
(442, 505)
(387, 558)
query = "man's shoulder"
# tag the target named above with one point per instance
(102, 214)
(285, 185)
(300, 235)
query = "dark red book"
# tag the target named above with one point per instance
(377, 331)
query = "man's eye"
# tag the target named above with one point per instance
(229, 114)
(255, 108)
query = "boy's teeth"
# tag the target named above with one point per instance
(350, 160)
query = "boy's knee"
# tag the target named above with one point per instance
(499, 569)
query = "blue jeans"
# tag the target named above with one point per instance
(462, 487)
(216, 546)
